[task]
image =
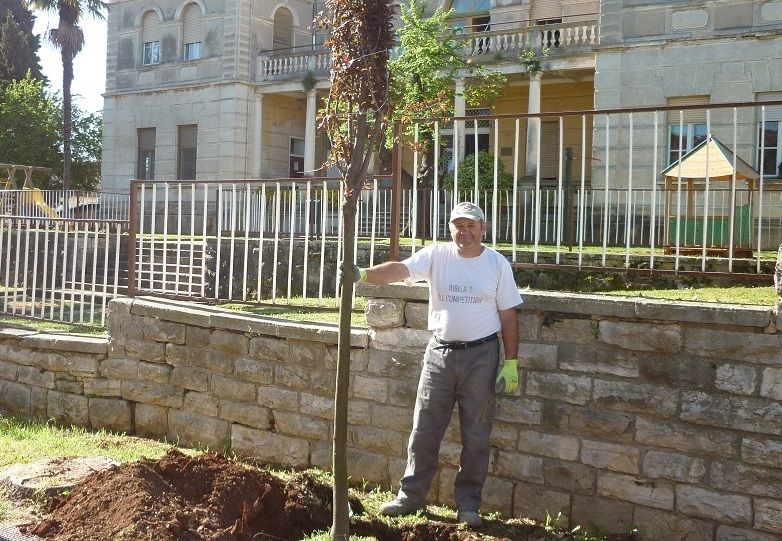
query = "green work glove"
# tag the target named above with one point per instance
(508, 378)
(360, 274)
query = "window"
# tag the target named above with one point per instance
(688, 129)
(187, 145)
(770, 137)
(283, 29)
(145, 164)
(472, 16)
(150, 37)
(191, 32)
(468, 127)
(546, 11)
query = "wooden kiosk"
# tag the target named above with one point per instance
(691, 209)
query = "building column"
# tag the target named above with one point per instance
(459, 109)
(533, 126)
(310, 133)
(258, 136)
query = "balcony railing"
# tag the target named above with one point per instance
(560, 39)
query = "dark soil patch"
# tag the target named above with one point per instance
(209, 498)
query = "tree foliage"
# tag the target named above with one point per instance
(485, 173)
(30, 134)
(18, 44)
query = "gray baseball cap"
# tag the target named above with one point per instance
(467, 210)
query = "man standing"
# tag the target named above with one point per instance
(472, 296)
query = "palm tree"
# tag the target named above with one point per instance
(68, 37)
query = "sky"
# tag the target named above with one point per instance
(89, 67)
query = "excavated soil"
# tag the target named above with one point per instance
(209, 498)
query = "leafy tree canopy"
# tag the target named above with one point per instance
(18, 45)
(485, 173)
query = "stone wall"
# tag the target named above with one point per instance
(630, 413)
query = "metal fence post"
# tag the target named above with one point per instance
(132, 228)
(396, 191)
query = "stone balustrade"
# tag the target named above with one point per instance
(662, 416)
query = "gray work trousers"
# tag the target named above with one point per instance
(465, 377)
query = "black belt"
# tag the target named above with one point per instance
(465, 345)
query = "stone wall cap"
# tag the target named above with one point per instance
(168, 310)
(399, 290)
(76, 343)
(645, 308)
(15, 332)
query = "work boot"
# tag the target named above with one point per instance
(397, 508)
(470, 518)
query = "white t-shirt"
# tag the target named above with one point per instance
(465, 293)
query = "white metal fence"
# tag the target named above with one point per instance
(74, 204)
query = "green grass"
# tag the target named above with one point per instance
(48, 326)
(754, 296)
(310, 310)
(25, 441)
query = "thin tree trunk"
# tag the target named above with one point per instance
(67, 78)
(340, 530)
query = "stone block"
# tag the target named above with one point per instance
(269, 447)
(392, 417)
(748, 414)
(516, 466)
(195, 379)
(400, 340)
(155, 373)
(163, 331)
(36, 377)
(724, 508)
(771, 383)
(302, 426)
(8, 370)
(497, 496)
(535, 502)
(636, 398)
(75, 343)
(718, 343)
(153, 393)
(185, 355)
(370, 388)
(119, 368)
(560, 328)
(201, 403)
(233, 343)
(358, 413)
(676, 371)
(251, 415)
(225, 387)
(379, 440)
(264, 348)
(641, 336)
(392, 365)
(292, 377)
(48, 360)
(610, 456)
(736, 378)
(402, 393)
(768, 515)
(109, 388)
(15, 397)
(323, 383)
(529, 325)
(674, 466)
(650, 493)
(318, 406)
(570, 476)
(571, 389)
(154, 352)
(654, 524)
(609, 425)
(385, 313)
(417, 315)
(598, 359)
(737, 477)
(67, 386)
(307, 355)
(198, 337)
(362, 465)
(608, 515)
(111, 414)
(504, 435)
(519, 410)
(552, 445)
(278, 399)
(68, 409)
(216, 361)
(359, 358)
(151, 421)
(761, 451)
(538, 356)
(84, 366)
(195, 430)
(730, 533)
(249, 369)
(681, 437)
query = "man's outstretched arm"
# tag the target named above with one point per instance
(385, 273)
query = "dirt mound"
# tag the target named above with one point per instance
(208, 498)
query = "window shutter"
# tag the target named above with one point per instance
(690, 116)
(150, 27)
(146, 139)
(191, 24)
(188, 136)
(549, 149)
(773, 112)
(546, 9)
(283, 29)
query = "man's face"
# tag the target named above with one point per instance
(467, 233)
